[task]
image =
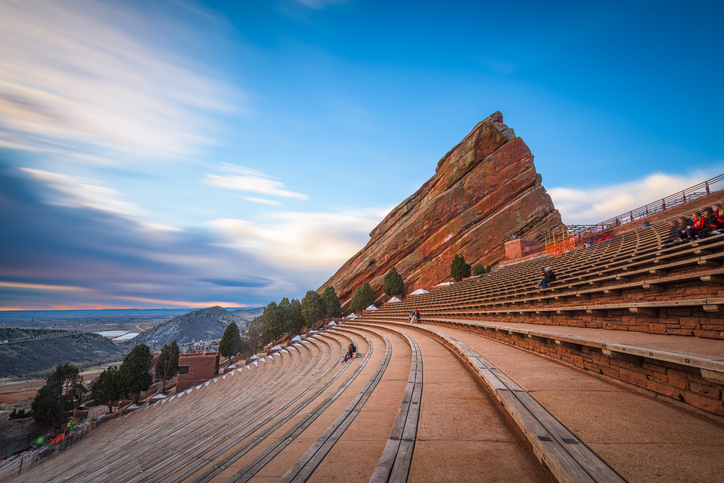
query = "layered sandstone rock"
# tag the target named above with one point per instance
(484, 190)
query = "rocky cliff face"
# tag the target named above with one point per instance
(484, 190)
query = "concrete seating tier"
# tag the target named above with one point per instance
(436, 402)
(636, 281)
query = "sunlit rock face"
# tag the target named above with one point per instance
(484, 190)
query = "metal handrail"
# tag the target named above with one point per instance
(676, 199)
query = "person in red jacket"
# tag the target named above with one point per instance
(715, 219)
(699, 225)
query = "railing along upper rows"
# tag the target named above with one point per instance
(569, 237)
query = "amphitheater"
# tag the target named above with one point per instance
(614, 373)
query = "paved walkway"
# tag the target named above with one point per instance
(641, 438)
(693, 345)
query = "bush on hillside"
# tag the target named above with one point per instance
(478, 269)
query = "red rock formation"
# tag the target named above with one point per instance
(484, 190)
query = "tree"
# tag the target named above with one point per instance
(362, 298)
(270, 322)
(332, 307)
(135, 372)
(488, 269)
(393, 284)
(312, 308)
(282, 320)
(478, 269)
(63, 387)
(167, 364)
(254, 334)
(108, 388)
(230, 344)
(296, 317)
(458, 268)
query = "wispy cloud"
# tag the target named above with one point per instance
(43, 286)
(263, 201)
(312, 240)
(84, 193)
(590, 206)
(244, 179)
(84, 73)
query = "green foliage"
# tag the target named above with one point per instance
(62, 389)
(478, 269)
(296, 317)
(458, 268)
(362, 298)
(254, 336)
(230, 343)
(271, 322)
(488, 269)
(108, 387)
(135, 372)
(312, 308)
(167, 364)
(393, 284)
(332, 307)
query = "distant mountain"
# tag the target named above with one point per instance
(248, 314)
(204, 324)
(38, 356)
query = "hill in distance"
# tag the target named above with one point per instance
(38, 357)
(203, 324)
(248, 314)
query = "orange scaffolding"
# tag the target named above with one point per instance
(566, 238)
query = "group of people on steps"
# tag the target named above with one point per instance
(709, 221)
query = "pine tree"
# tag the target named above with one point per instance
(458, 268)
(107, 387)
(366, 296)
(296, 317)
(478, 269)
(230, 343)
(63, 387)
(135, 372)
(332, 307)
(167, 364)
(312, 308)
(393, 284)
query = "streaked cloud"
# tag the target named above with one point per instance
(578, 206)
(318, 241)
(243, 179)
(79, 74)
(262, 201)
(42, 286)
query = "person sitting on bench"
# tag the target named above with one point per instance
(548, 277)
(351, 349)
(700, 226)
(716, 221)
(684, 229)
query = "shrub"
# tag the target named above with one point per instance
(393, 284)
(458, 268)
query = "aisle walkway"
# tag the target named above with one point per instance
(639, 437)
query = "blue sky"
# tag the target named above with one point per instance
(179, 154)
